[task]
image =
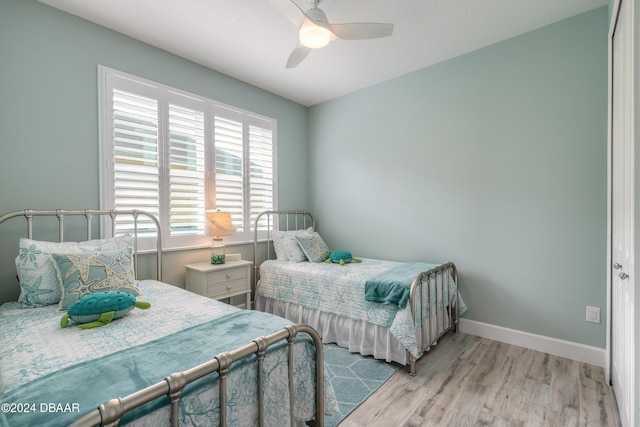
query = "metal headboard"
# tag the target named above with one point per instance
(89, 214)
(277, 220)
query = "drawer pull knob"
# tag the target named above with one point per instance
(228, 275)
(228, 287)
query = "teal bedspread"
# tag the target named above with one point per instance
(76, 387)
(86, 384)
(393, 286)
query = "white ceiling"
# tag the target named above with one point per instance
(251, 40)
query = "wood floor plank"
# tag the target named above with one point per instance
(538, 369)
(472, 381)
(381, 408)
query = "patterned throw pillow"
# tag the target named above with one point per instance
(313, 247)
(286, 246)
(39, 285)
(87, 273)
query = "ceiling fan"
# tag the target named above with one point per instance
(316, 32)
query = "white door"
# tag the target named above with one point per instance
(622, 127)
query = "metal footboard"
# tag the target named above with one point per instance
(434, 282)
(110, 412)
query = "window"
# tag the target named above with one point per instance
(176, 154)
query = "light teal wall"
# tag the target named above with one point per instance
(495, 160)
(49, 114)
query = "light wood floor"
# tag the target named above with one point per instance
(471, 381)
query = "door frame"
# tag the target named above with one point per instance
(612, 23)
(615, 12)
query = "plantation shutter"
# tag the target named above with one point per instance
(135, 155)
(186, 171)
(176, 154)
(260, 167)
(229, 164)
(244, 165)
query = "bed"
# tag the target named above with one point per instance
(186, 360)
(343, 301)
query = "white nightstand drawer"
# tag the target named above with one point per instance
(226, 275)
(220, 281)
(219, 289)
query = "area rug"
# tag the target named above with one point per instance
(354, 378)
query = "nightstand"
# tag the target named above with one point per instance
(220, 281)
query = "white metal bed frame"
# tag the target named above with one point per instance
(439, 276)
(111, 412)
(89, 214)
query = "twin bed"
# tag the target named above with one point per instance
(190, 360)
(187, 360)
(294, 281)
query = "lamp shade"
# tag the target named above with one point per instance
(218, 223)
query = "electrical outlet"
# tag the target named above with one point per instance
(593, 314)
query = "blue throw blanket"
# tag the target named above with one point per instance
(393, 286)
(85, 385)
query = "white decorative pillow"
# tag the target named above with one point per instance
(38, 279)
(86, 273)
(315, 249)
(287, 247)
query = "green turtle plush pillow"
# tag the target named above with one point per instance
(99, 309)
(341, 257)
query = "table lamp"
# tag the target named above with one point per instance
(218, 224)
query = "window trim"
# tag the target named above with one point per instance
(106, 84)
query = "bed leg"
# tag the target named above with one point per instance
(412, 365)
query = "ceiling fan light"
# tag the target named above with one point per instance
(314, 36)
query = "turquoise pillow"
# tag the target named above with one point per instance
(87, 273)
(313, 247)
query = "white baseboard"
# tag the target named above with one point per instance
(568, 349)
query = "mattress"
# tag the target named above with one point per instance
(74, 370)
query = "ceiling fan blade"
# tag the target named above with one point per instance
(298, 54)
(361, 30)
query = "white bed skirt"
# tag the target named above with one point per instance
(355, 335)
